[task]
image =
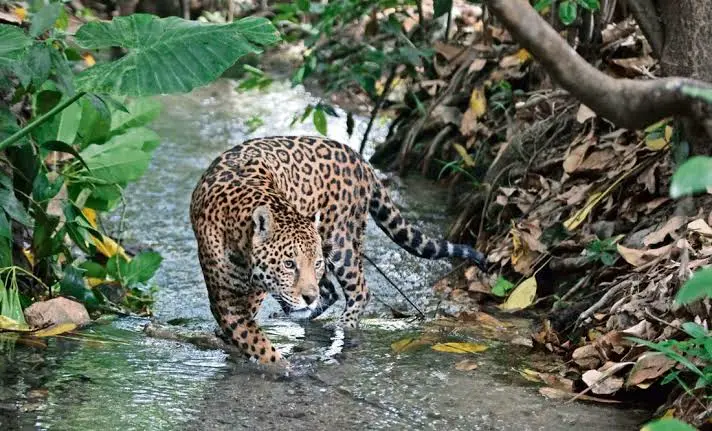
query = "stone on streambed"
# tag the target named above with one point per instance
(55, 311)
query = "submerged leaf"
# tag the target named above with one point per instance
(460, 347)
(57, 329)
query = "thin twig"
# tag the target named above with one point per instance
(380, 271)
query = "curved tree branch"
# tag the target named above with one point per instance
(628, 103)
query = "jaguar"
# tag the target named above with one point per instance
(286, 216)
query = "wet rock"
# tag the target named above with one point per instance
(56, 310)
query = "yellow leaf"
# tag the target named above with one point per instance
(659, 143)
(93, 281)
(406, 344)
(106, 246)
(523, 55)
(580, 216)
(469, 162)
(11, 324)
(522, 296)
(88, 59)
(20, 13)
(460, 347)
(531, 375)
(478, 102)
(60, 328)
(29, 256)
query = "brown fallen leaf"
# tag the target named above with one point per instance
(586, 357)
(602, 383)
(558, 394)
(670, 227)
(637, 257)
(649, 366)
(466, 365)
(576, 156)
(700, 226)
(584, 113)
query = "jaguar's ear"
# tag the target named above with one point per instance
(316, 218)
(264, 225)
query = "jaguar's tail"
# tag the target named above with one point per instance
(388, 217)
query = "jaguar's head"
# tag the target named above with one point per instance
(286, 258)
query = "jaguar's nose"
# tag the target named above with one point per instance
(309, 299)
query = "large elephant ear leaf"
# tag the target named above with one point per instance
(167, 55)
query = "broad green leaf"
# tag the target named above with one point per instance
(123, 158)
(45, 18)
(13, 207)
(592, 5)
(10, 304)
(13, 44)
(167, 55)
(143, 266)
(62, 72)
(93, 269)
(567, 12)
(667, 424)
(39, 62)
(69, 121)
(319, 119)
(695, 175)
(140, 113)
(5, 230)
(73, 285)
(8, 124)
(303, 5)
(44, 190)
(442, 7)
(95, 122)
(697, 287)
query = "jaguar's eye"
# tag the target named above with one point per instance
(289, 264)
(319, 263)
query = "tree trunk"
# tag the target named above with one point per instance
(680, 33)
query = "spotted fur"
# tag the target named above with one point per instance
(274, 214)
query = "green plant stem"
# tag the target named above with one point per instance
(377, 107)
(40, 120)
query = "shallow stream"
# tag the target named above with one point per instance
(128, 381)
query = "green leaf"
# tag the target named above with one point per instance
(8, 124)
(705, 94)
(95, 122)
(319, 119)
(592, 5)
(123, 158)
(567, 12)
(140, 113)
(69, 121)
(45, 19)
(13, 44)
(13, 207)
(694, 176)
(694, 330)
(43, 189)
(697, 287)
(442, 7)
(63, 147)
(93, 269)
(144, 266)
(5, 230)
(167, 55)
(303, 5)
(667, 424)
(62, 72)
(502, 287)
(39, 62)
(72, 284)
(541, 5)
